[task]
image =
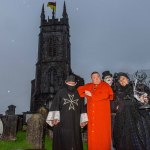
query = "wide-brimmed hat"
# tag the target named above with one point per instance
(71, 78)
(106, 73)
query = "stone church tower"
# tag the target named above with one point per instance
(54, 62)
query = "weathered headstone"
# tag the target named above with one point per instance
(1, 127)
(9, 127)
(9, 122)
(36, 130)
(20, 123)
(26, 115)
(11, 110)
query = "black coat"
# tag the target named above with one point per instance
(67, 134)
(132, 125)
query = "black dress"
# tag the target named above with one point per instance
(67, 134)
(132, 125)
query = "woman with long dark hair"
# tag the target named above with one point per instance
(132, 124)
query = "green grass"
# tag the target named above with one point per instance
(85, 146)
(48, 144)
(21, 143)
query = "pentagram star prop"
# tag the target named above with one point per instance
(71, 101)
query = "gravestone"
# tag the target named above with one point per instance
(9, 127)
(1, 126)
(9, 122)
(36, 129)
(20, 123)
(11, 110)
(26, 116)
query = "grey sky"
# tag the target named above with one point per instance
(105, 35)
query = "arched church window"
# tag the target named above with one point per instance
(54, 51)
(50, 52)
(52, 76)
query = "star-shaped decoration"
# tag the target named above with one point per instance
(71, 101)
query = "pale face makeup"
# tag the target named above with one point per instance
(109, 80)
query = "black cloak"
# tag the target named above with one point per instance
(132, 125)
(67, 133)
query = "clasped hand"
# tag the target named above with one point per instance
(83, 124)
(88, 93)
(55, 121)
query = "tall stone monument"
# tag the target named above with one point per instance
(9, 122)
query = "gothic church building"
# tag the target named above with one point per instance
(54, 60)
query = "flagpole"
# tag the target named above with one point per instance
(54, 11)
(53, 14)
(52, 5)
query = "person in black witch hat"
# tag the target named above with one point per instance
(67, 115)
(107, 77)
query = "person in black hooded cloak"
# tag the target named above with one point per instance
(67, 115)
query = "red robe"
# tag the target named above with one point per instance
(99, 115)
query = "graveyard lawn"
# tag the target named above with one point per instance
(21, 143)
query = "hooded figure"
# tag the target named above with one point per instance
(67, 115)
(109, 78)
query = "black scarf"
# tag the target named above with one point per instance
(70, 88)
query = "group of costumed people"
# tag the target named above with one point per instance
(131, 127)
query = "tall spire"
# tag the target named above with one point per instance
(42, 14)
(53, 14)
(65, 15)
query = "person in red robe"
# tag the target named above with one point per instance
(98, 94)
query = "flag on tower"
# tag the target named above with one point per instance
(52, 5)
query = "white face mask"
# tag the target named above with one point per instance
(109, 80)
